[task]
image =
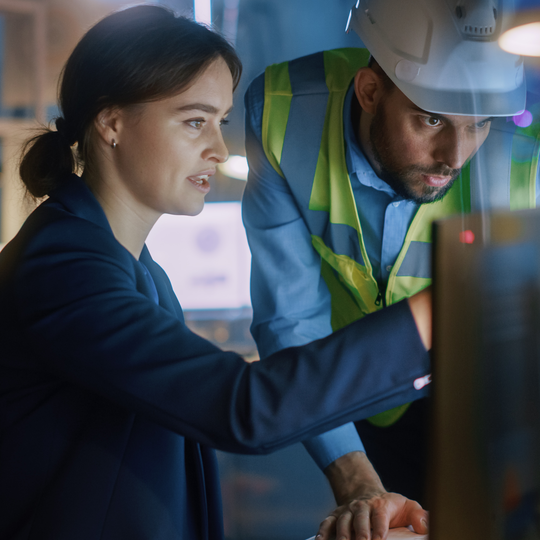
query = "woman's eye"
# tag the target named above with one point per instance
(431, 121)
(197, 124)
(224, 122)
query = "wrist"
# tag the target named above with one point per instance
(353, 477)
(420, 306)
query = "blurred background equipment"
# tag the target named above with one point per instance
(486, 378)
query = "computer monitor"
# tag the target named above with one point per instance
(484, 470)
(206, 257)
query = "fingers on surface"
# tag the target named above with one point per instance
(327, 528)
(380, 519)
(363, 516)
(419, 519)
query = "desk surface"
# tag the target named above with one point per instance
(403, 533)
(400, 533)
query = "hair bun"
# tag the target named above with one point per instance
(62, 129)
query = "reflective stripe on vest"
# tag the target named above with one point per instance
(303, 139)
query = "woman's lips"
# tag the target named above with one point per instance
(200, 182)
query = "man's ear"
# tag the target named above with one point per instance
(369, 88)
(108, 125)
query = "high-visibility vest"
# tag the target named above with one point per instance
(302, 135)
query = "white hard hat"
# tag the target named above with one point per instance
(443, 54)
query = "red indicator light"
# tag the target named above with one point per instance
(466, 237)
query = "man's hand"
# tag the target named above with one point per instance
(366, 509)
(371, 518)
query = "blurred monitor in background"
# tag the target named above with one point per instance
(209, 267)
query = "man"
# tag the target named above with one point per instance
(351, 159)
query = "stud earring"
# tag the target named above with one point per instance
(113, 144)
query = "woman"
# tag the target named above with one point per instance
(109, 405)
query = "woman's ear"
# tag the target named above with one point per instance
(369, 88)
(107, 125)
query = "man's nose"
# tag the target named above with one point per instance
(454, 148)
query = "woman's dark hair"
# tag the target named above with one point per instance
(136, 55)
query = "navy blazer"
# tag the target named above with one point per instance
(110, 405)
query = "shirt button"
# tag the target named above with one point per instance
(396, 204)
(389, 268)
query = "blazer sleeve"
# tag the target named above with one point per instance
(84, 321)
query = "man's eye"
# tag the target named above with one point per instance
(482, 124)
(431, 121)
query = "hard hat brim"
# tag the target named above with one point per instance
(474, 103)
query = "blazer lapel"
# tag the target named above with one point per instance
(167, 298)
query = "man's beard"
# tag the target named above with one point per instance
(404, 179)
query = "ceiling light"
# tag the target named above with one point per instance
(203, 11)
(523, 37)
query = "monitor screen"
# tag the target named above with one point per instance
(206, 257)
